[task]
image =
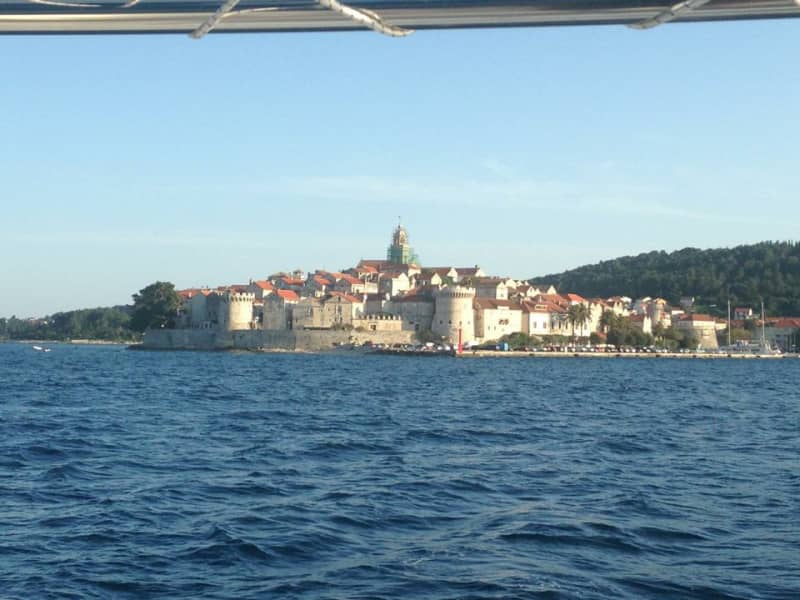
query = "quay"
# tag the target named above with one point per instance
(633, 355)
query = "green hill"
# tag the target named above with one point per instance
(745, 274)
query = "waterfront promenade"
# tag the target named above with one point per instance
(633, 355)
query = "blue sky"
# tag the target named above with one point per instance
(130, 159)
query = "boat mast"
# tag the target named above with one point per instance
(729, 322)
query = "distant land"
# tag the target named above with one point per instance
(744, 274)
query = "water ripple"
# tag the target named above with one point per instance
(206, 475)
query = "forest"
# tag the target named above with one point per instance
(744, 275)
(110, 324)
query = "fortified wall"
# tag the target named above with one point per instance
(263, 339)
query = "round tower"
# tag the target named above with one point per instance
(236, 310)
(453, 311)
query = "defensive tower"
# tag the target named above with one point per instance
(236, 310)
(453, 311)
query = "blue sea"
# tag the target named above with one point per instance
(221, 475)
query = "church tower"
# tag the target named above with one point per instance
(400, 252)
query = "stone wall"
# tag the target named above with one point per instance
(303, 340)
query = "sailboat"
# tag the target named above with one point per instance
(765, 348)
(760, 348)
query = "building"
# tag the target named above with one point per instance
(400, 252)
(703, 326)
(454, 314)
(782, 333)
(496, 318)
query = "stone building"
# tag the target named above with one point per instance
(496, 318)
(277, 310)
(703, 326)
(454, 313)
(400, 252)
(415, 308)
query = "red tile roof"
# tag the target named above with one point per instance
(290, 295)
(350, 279)
(344, 296)
(292, 281)
(440, 271)
(696, 317)
(785, 322)
(492, 304)
(264, 284)
(376, 264)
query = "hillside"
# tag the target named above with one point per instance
(112, 324)
(745, 274)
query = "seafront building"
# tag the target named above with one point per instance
(396, 300)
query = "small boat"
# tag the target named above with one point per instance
(41, 349)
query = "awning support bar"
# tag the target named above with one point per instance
(359, 15)
(366, 17)
(672, 13)
(214, 19)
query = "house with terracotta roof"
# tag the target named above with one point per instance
(619, 305)
(289, 283)
(318, 285)
(349, 284)
(445, 273)
(463, 273)
(536, 318)
(429, 279)
(377, 265)
(543, 288)
(524, 291)
(260, 288)
(277, 309)
(394, 283)
(340, 309)
(782, 333)
(495, 318)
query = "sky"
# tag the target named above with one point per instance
(131, 159)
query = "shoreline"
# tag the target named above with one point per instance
(82, 342)
(633, 355)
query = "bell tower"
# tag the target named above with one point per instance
(400, 252)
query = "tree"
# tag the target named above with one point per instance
(658, 331)
(577, 314)
(155, 306)
(607, 320)
(742, 275)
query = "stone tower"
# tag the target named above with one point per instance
(454, 311)
(236, 310)
(400, 252)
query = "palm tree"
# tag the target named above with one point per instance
(577, 314)
(607, 320)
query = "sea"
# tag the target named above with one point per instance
(248, 475)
